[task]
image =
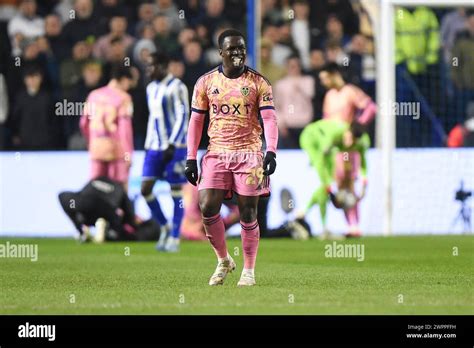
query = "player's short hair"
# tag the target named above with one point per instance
(357, 129)
(226, 33)
(331, 68)
(119, 71)
(160, 57)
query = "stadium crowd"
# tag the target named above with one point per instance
(54, 51)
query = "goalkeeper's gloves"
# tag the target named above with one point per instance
(269, 163)
(191, 171)
(168, 154)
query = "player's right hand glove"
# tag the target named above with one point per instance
(191, 171)
(269, 163)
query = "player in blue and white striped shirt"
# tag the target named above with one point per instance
(165, 146)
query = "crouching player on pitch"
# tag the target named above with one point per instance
(233, 95)
(324, 140)
(347, 103)
(165, 146)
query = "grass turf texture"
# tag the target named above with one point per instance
(104, 280)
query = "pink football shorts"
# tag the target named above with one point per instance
(240, 172)
(117, 170)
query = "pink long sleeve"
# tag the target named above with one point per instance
(84, 126)
(270, 128)
(368, 114)
(196, 124)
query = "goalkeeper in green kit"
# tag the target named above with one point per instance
(322, 140)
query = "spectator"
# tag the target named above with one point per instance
(164, 39)
(293, 103)
(146, 31)
(463, 72)
(362, 65)
(115, 57)
(335, 54)
(64, 9)
(317, 63)
(416, 38)
(91, 78)
(342, 9)
(280, 52)
(234, 11)
(203, 35)
(25, 25)
(70, 69)
(105, 10)
(4, 108)
(213, 17)
(193, 11)
(145, 16)
(168, 9)
(269, 69)
(118, 30)
(451, 24)
(83, 26)
(269, 11)
(335, 32)
(32, 117)
(284, 30)
(186, 35)
(56, 42)
(212, 55)
(317, 59)
(300, 28)
(176, 68)
(141, 54)
(194, 63)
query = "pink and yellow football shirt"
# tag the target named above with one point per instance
(233, 106)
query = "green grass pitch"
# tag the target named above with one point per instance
(399, 275)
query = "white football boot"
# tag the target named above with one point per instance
(164, 232)
(247, 279)
(171, 245)
(223, 268)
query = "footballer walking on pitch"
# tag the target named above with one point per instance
(233, 95)
(165, 146)
(107, 126)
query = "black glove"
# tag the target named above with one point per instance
(191, 171)
(168, 154)
(269, 163)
